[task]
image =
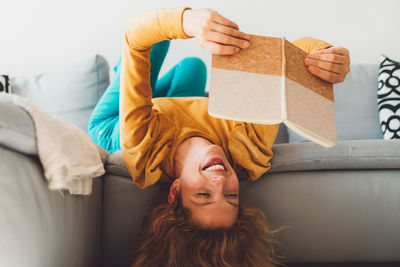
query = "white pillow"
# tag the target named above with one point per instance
(389, 98)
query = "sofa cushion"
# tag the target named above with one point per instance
(282, 136)
(70, 94)
(116, 166)
(357, 154)
(389, 98)
(355, 105)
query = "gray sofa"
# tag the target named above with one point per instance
(341, 205)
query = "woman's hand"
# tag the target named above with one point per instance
(331, 64)
(215, 33)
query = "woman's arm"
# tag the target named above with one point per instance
(140, 124)
(146, 134)
(142, 31)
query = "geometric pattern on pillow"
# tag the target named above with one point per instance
(389, 98)
(4, 84)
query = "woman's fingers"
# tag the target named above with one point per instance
(328, 76)
(219, 49)
(330, 64)
(228, 31)
(225, 39)
(222, 35)
(326, 65)
(334, 50)
(334, 58)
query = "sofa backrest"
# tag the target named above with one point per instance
(355, 106)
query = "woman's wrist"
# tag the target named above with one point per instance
(186, 24)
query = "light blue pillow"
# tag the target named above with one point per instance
(357, 116)
(70, 94)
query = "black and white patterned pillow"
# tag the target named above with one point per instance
(389, 98)
(4, 84)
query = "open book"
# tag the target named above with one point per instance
(269, 83)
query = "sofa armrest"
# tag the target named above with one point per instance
(17, 130)
(40, 227)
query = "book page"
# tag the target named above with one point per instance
(245, 96)
(310, 115)
(247, 86)
(309, 100)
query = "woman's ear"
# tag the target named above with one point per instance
(173, 191)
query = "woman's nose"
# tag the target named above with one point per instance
(219, 182)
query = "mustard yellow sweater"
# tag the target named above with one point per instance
(152, 129)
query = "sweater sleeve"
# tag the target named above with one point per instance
(146, 134)
(310, 45)
(251, 147)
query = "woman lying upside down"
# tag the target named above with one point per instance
(173, 139)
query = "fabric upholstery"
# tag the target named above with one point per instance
(116, 166)
(17, 131)
(332, 216)
(44, 228)
(354, 154)
(125, 205)
(282, 136)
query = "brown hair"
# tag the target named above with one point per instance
(170, 239)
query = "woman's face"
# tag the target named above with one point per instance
(209, 188)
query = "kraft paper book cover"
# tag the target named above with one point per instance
(269, 83)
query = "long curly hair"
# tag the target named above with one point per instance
(169, 238)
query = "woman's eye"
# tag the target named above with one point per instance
(203, 194)
(232, 195)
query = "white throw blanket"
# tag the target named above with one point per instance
(69, 157)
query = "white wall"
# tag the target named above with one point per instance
(45, 35)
